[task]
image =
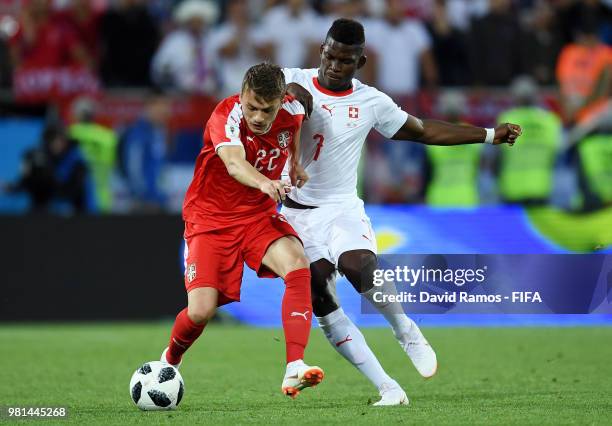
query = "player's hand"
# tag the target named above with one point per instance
(302, 95)
(507, 133)
(275, 189)
(298, 175)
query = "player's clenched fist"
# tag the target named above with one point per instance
(507, 133)
(275, 189)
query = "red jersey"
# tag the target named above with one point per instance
(214, 196)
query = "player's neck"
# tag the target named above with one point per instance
(344, 88)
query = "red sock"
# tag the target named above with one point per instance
(297, 313)
(184, 333)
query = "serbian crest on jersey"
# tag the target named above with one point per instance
(191, 272)
(284, 138)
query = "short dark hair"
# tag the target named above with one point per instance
(266, 80)
(347, 31)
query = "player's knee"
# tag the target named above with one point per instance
(358, 267)
(301, 262)
(369, 263)
(297, 261)
(201, 314)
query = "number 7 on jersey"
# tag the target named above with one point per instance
(320, 139)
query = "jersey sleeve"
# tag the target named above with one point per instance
(388, 115)
(296, 109)
(224, 126)
(293, 75)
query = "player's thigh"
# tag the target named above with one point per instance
(213, 259)
(271, 246)
(352, 231)
(284, 255)
(313, 227)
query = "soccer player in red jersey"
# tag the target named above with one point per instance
(231, 217)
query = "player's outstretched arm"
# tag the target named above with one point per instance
(435, 132)
(234, 158)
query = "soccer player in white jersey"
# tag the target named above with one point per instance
(327, 213)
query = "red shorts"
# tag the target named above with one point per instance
(215, 258)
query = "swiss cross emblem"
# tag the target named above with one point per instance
(284, 138)
(353, 112)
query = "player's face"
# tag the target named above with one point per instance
(258, 113)
(339, 63)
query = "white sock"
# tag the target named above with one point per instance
(346, 338)
(392, 311)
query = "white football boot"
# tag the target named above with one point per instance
(419, 351)
(392, 394)
(300, 376)
(163, 359)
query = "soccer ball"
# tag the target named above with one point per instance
(156, 386)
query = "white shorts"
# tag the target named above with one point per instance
(331, 230)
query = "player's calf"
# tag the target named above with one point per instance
(297, 319)
(358, 266)
(323, 299)
(287, 259)
(184, 333)
(190, 322)
(296, 311)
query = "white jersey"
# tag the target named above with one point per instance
(332, 139)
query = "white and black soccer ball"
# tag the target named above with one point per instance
(156, 386)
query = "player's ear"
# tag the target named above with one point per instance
(321, 48)
(362, 61)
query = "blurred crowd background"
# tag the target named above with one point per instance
(102, 103)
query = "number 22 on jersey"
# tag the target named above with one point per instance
(261, 154)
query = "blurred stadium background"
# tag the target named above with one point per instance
(102, 106)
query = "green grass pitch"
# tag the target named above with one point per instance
(232, 375)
